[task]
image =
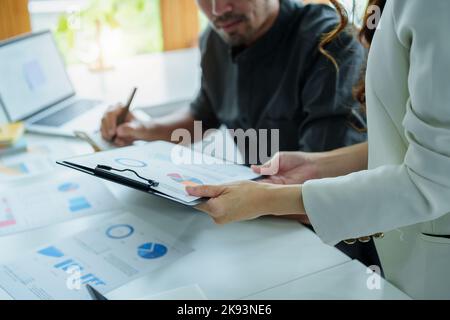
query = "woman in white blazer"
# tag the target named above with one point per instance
(406, 189)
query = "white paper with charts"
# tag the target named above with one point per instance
(57, 199)
(37, 160)
(174, 167)
(107, 256)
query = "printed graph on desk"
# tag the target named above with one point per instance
(14, 169)
(68, 187)
(25, 164)
(75, 203)
(151, 250)
(79, 204)
(185, 180)
(132, 163)
(6, 215)
(19, 165)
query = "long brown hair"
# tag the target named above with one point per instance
(365, 35)
(327, 38)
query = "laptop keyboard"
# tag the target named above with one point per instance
(67, 114)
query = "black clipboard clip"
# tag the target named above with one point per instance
(106, 173)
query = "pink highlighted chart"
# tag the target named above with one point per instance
(185, 180)
(6, 215)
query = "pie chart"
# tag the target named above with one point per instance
(131, 163)
(151, 250)
(119, 231)
(185, 180)
(51, 252)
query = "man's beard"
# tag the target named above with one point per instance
(233, 39)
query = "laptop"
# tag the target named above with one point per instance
(35, 88)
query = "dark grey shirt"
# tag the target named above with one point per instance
(283, 82)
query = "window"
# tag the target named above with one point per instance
(82, 28)
(122, 28)
(355, 9)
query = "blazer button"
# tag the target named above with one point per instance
(350, 241)
(364, 239)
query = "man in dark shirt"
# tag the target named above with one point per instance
(282, 81)
(262, 69)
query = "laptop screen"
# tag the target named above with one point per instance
(32, 75)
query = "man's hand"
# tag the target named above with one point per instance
(126, 133)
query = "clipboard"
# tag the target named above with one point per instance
(102, 165)
(102, 172)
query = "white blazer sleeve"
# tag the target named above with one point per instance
(418, 190)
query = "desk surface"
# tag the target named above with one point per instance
(344, 282)
(232, 261)
(161, 78)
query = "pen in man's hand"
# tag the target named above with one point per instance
(123, 114)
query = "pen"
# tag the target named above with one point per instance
(95, 295)
(125, 110)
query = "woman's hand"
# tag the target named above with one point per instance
(248, 200)
(290, 168)
(298, 167)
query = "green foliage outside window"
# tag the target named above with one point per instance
(123, 28)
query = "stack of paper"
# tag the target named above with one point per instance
(19, 146)
(11, 138)
(10, 133)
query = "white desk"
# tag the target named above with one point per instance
(344, 282)
(232, 261)
(161, 78)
